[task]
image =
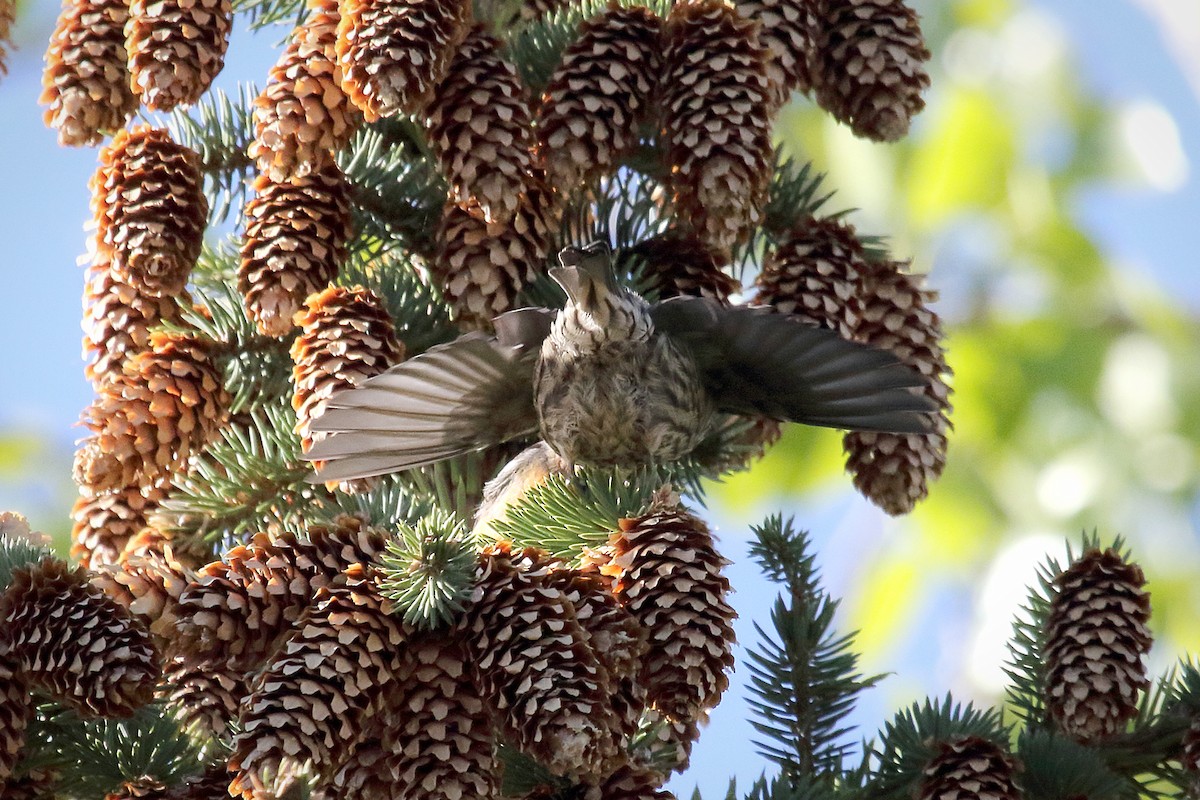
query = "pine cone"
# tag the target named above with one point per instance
(786, 27)
(75, 643)
(330, 672)
(1096, 641)
(294, 244)
(143, 788)
(303, 115)
(149, 584)
(482, 267)
(35, 784)
(590, 113)
(393, 55)
(168, 403)
(894, 470)
(869, 67)
(670, 580)
(85, 86)
(816, 274)
(105, 522)
(481, 130)
(348, 337)
(717, 114)
(117, 320)
(629, 783)
(150, 210)
(969, 768)
(534, 662)
(679, 264)
(367, 772)
(176, 48)
(15, 711)
(206, 694)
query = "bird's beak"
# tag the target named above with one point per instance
(585, 275)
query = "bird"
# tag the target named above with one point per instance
(611, 379)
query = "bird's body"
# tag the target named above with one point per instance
(612, 379)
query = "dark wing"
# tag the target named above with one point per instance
(451, 399)
(756, 361)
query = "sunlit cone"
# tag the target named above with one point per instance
(667, 747)
(144, 788)
(535, 663)
(105, 522)
(786, 27)
(629, 783)
(482, 267)
(481, 129)
(597, 97)
(1096, 641)
(716, 125)
(303, 115)
(16, 710)
(816, 274)
(393, 55)
(85, 86)
(149, 583)
(150, 210)
(347, 337)
(894, 470)
(677, 263)
(969, 768)
(117, 320)
(869, 66)
(294, 244)
(34, 784)
(670, 580)
(168, 404)
(76, 643)
(176, 48)
(312, 700)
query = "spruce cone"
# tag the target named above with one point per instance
(206, 694)
(629, 783)
(670, 580)
(117, 320)
(76, 643)
(150, 210)
(679, 264)
(36, 784)
(816, 274)
(717, 114)
(786, 27)
(534, 662)
(482, 267)
(16, 710)
(294, 245)
(481, 129)
(969, 768)
(303, 115)
(176, 48)
(894, 470)
(105, 522)
(590, 113)
(348, 337)
(1096, 639)
(869, 67)
(167, 405)
(310, 704)
(367, 772)
(143, 788)
(149, 584)
(85, 86)
(393, 55)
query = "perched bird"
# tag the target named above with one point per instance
(612, 379)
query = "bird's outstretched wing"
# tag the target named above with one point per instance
(464, 395)
(756, 361)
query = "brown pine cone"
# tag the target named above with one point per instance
(629, 783)
(294, 244)
(869, 66)
(150, 210)
(105, 522)
(168, 404)
(143, 788)
(482, 267)
(331, 672)
(85, 86)
(205, 694)
(718, 108)
(598, 95)
(16, 709)
(894, 470)
(176, 48)
(481, 130)
(1096, 641)
(149, 584)
(303, 115)
(394, 55)
(969, 768)
(368, 770)
(75, 643)
(35, 784)
(786, 27)
(678, 263)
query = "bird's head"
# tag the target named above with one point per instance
(595, 300)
